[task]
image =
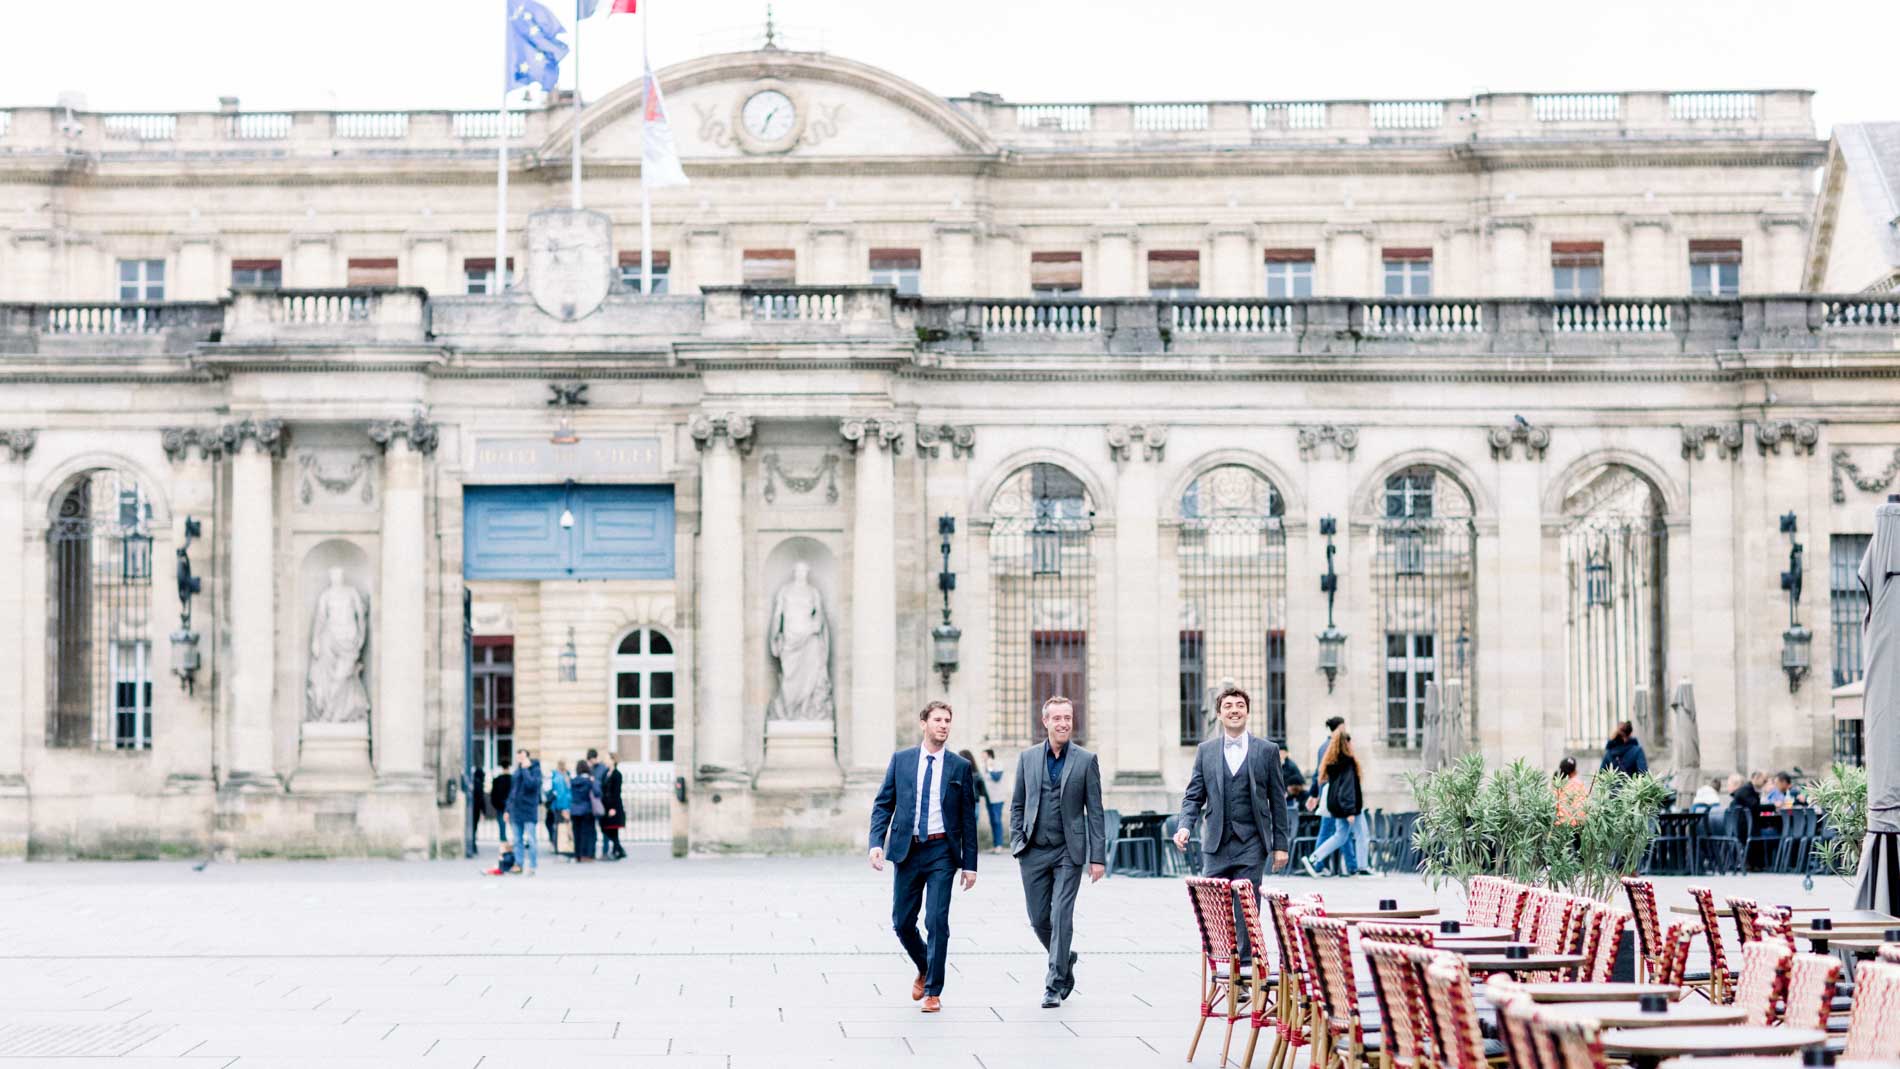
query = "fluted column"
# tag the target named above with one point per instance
(1139, 714)
(399, 713)
(719, 745)
(875, 439)
(15, 447)
(255, 446)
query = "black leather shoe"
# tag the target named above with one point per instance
(1050, 999)
(1069, 988)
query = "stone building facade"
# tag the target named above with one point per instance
(1519, 372)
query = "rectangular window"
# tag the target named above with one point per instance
(1576, 269)
(1059, 664)
(769, 267)
(1174, 274)
(1715, 267)
(1193, 687)
(1847, 604)
(1276, 687)
(372, 272)
(902, 268)
(257, 274)
(132, 695)
(630, 271)
(478, 275)
(1408, 272)
(1289, 274)
(141, 280)
(1410, 663)
(1055, 274)
(494, 699)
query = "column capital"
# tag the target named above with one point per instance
(932, 436)
(1504, 440)
(1342, 438)
(1509, 222)
(19, 443)
(1123, 436)
(733, 427)
(885, 431)
(1726, 436)
(178, 442)
(1803, 434)
(267, 434)
(421, 435)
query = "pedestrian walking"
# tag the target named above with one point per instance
(1572, 792)
(1316, 800)
(524, 797)
(559, 797)
(613, 815)
(480, 797)
(596, 770)
(1339, 778)
(1235, 787)
(585, 810)
(990, 787)
(498, 787)
(1623, 753)
(1057, 827)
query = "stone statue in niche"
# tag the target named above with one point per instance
(801, 642)
(334, 692)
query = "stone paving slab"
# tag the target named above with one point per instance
(734, 963)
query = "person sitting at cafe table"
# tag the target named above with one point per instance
(1782, 794)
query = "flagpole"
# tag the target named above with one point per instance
(646, 197)
(577, 103)
(501, 168)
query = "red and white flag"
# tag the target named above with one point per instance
(622, 7)
(659, 156)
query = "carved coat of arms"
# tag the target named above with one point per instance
(570, 261)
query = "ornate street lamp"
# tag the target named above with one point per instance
(944, 637)
(1332, 641)
(1797, 640)
(184, 640)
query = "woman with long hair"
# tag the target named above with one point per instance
(1339, 776)
(1572, 792)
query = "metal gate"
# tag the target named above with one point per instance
(647, 791)
(1233, 619)
(1423, 590)
(1613, 619)
(1042, 591)
(100, 633)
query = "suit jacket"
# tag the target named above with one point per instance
(894, 814)
(1206, 793)
(1083, 822)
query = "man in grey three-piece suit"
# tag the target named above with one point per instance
(1236, 787)
(1056, 827)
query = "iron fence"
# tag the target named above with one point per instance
(1233, 620)
(1613, 620)
(1422, 581)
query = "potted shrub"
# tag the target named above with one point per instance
(1841, 796)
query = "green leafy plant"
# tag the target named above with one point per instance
(1841, 796)
(1447, 800)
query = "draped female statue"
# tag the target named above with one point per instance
(801, 642)
(333, 691)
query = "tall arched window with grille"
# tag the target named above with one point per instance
(1042, 595)
(100, 631)
(1614, 556)
(1424, 543)
(1232, 560)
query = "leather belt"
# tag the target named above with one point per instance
(926, 838)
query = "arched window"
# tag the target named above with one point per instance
(643, 700)
(1232, 560)
(101, 635)
(1424, 586)
(1042, 591)
(1613, 553)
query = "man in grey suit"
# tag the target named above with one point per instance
(1236, 787)
(1055, 827)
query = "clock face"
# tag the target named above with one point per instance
(768, 115)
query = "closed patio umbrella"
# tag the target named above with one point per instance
(1451, 720)
(1687, 739)
(1880, 578)
(1432, 747)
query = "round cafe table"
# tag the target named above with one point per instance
(1498, 963)
(1403, 913)
(1587, 991)
(1631, 1015)
(1471, 933)
(1478, 948)
(1647, 1047)
(1721, 909)
(1762, 1061)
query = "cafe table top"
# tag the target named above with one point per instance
(1763, 1061)
(1690, 1041)
(1477, 947)
(1721, 908)
(1474, 933)
(1403, 913)
(1490, 963)
(1631, 1015)
(1598, 991)
(1858, 943)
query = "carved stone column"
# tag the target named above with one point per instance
(875, 440)
(1711, 450)
(1139, 707)
(719, 743)
(15, 447)
(400, 711)
(255, 446)
(1521, 587)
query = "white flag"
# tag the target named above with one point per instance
(659, 156)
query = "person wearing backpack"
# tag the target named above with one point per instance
(585, 809)
(559, 797)
(1339, 774)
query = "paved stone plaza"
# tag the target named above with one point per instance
(724, 963)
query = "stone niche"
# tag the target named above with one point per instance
(800, 754)
(332, 757)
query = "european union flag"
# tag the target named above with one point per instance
(535, 50)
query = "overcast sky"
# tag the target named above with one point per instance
(183, 54)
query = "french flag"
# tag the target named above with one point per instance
(622, 7)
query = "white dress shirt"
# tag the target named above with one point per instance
(936, 791)
(1235, 750)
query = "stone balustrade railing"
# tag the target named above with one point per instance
(273, 133)
(1326, 326)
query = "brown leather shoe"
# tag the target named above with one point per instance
(933, 1004)
(917, 988)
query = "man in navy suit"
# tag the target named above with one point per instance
(924, 822)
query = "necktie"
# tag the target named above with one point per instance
(923, 815)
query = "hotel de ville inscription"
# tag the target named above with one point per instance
(591, 458)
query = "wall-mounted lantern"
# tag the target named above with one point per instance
(1332, 641)
(1796, 642)
(185, 640)
(944, 637)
